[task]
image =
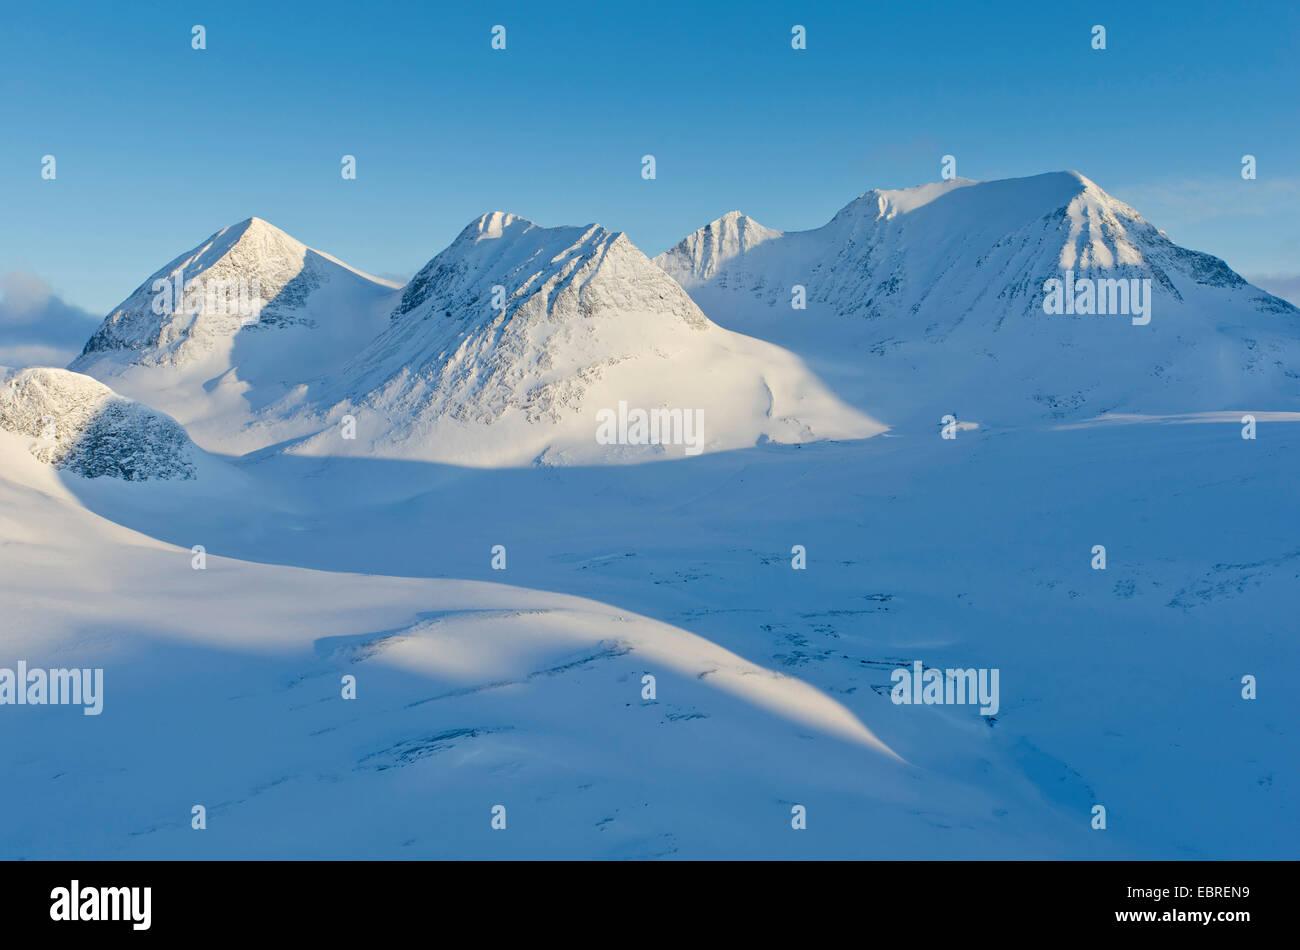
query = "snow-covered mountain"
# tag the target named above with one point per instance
(242, 322)
(698, 257)
(77, 424)
(508, 346)
(680, 659)
(523, 344)
(932, 298)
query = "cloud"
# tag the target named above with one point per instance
(1286, 286)
(37, 327)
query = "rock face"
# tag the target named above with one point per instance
(82, 426)
(506, 346)
(937, 292)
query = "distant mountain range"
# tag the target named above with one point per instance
(501, 351)
(506, 346)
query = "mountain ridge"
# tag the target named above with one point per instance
(912, 297)
(934, 287)
(518, 324)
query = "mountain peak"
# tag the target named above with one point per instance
(239, 321)
(494, 224)
(263, 243)
(949, 278)
(701, 253)
(265, 237)
(500, 249)
(260, 227)
(509, 228)
(1027, 196)
(507, 345)
(742, 225)
(248, 273)
(252, 222)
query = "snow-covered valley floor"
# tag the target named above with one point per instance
(523, 687)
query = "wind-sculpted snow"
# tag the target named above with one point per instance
(469, 693)
(82, 426)
(533, 693)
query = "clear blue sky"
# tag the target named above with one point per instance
(158, 145)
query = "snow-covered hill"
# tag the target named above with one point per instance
(507, 347)
(223, 687)
(229, 336)
(931, 299)
(524, 687)
(75, 423)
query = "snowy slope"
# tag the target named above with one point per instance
(76, 423)
(222, 687)
(930, 299)
(505, 348)
(229, 373)
(1119, 687)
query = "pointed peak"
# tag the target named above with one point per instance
(257, 222)
(733, 228)
(699, 255)
(256, 227)
(254, 232)
(734, 221)
(264, 239)
(743, 224)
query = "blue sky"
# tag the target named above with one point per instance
(159, 145)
